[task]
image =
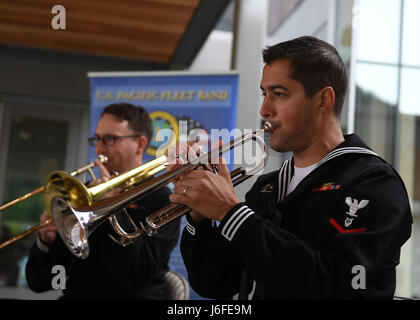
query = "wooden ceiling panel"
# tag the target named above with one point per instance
(101, 44)
(141, 29)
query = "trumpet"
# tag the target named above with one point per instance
(76, 225)
(82, 170)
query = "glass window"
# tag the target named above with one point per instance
(376, 100)
(410, 103)
(410, 133)
(343, 44)
(411, 33)
(387, 108)
(409, 169)
(344, 29)
(379, 80)
(36, 147)
(379, 30)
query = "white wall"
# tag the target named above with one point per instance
(215, 55)
(311, 17)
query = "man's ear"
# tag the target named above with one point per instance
(142, 144)
(327, 99)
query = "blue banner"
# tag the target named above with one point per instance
(201, 101)
(183, 103)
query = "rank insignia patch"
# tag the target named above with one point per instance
(353, 214)
(342, 230)
(354, 205)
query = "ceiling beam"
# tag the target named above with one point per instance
(203, 22)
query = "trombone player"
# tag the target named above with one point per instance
(111, 271)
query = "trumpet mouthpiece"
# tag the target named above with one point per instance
(103, 159)
(267, 126)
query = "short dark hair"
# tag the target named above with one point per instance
(138, 119)
(315, 64)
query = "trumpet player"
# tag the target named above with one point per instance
(329, 224)
(112, 271)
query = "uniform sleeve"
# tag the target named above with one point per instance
(213, 267)
(41, 260)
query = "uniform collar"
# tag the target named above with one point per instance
(351, 144)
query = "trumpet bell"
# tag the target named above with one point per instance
(72, 227)
(64, 193)
(63, 185)
(75, 227)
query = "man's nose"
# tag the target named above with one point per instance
(266, 110)
(100, 147)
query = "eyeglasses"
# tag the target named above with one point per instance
(108, 140)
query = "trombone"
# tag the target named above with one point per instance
(75, 226)
(82, 170)
(72, 190)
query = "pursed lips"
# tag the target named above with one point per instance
(275, 126)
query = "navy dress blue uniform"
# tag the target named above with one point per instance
(350, 214)
(111, 271)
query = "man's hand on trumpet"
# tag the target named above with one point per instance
(105, 176)
(47, 234)
(208, 194)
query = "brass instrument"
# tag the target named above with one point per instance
(75, 226)
(66, 186)
(82, 170)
